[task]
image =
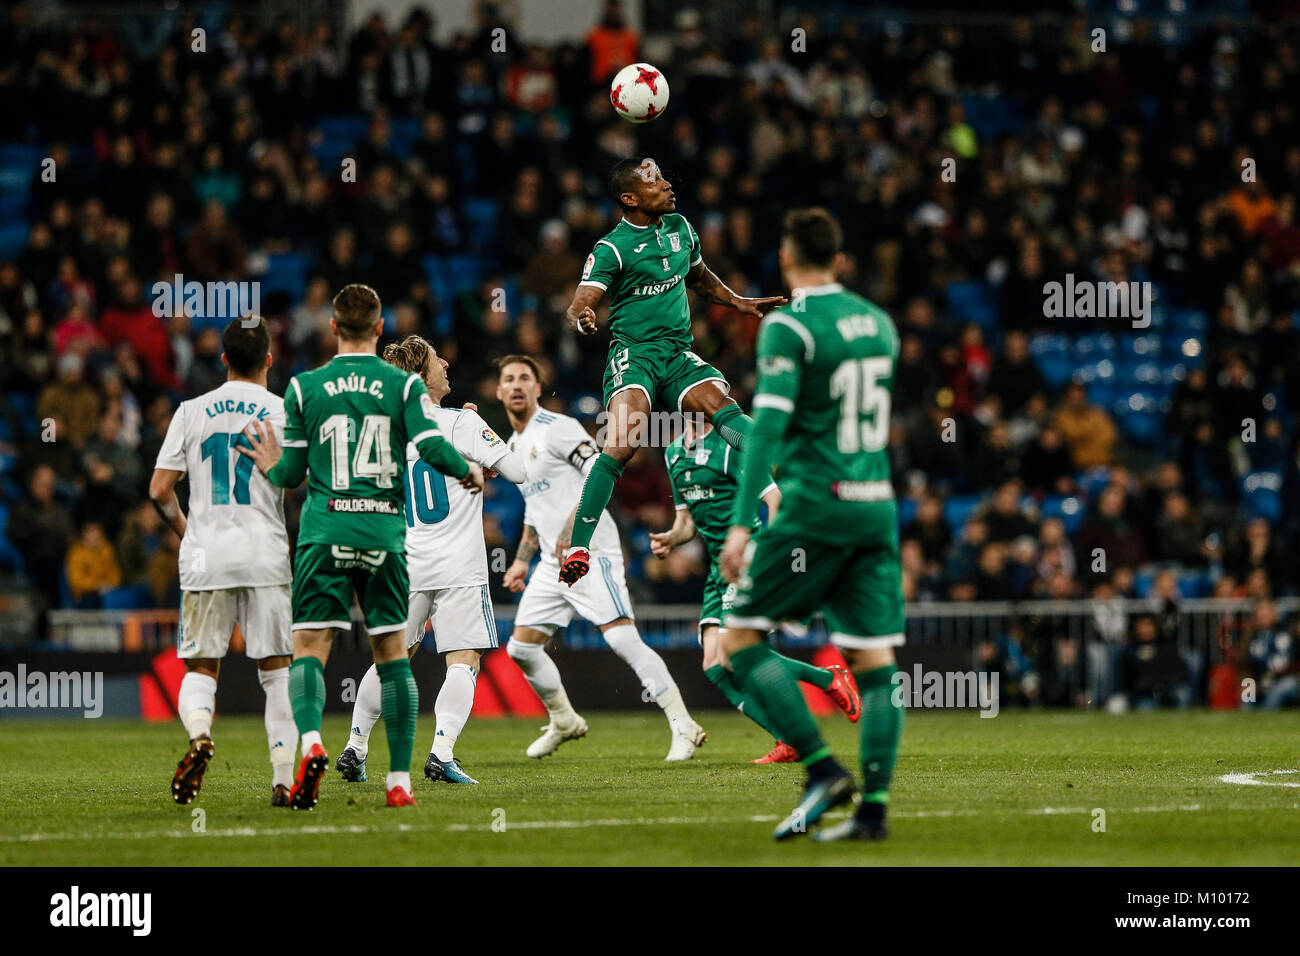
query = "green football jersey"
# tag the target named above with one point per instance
(704, 481)
(354, 416)
(643, 269)
(827, 360)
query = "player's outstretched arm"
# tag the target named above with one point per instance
(706, 285)
(162, 492)
(517, 573)
(683, 529)
(581, 313)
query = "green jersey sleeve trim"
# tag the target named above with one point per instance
(295, 431)
(780, 318)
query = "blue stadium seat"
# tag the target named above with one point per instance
(1093, 480)
(129, 598)
(957, 510)
(906, 511)
(1190, 322)
(460, 273)
(285, 272)
(1262, 495)
(15, 190)
(481, 217)
(13, 237)
(1069, 508)
(10, 557)
(21, 156)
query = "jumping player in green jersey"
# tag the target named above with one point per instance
(825, 375)
(646, 263)
(347, 425)
(702, 469)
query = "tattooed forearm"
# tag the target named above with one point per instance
(706, 285)
(528, 544)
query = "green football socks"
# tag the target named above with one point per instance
(596, 492)
(761, 675)
(307, 693)
(882, 725)
(400, 707)
(732, 424)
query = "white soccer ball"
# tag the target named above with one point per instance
(639, 93)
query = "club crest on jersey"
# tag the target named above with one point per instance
(665, 262)
(675, 242)
(591, 264)
(701, 459)
(490, 437)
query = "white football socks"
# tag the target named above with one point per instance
(451, 709)
(544, 677)
(281, 731)
(366, 711)
(398, 778)
(625, 641)
(311, 738)
(196, 703)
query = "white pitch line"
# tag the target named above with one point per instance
(1248, 779)
(336, 830)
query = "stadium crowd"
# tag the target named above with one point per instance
(1024, 446)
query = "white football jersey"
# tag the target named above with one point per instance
(556, 449)
(444, 522)
(234, 533)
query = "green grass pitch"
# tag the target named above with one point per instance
(1017, 789)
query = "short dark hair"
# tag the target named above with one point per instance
(623, 177)
(356, 310)
(815, 235)
(521, 360)
(246, 343)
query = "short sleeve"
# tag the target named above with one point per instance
(602, 266)
(295, 431)
(569, 441)
(784, 347)
(171, 456)
(474, 439)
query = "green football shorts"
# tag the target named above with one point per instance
(326, 576)
(719, 597)
(665, 374)
(858, 588)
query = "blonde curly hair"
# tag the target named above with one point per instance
(411, 354)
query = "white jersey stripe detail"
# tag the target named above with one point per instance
(779, 402)
(617, 254)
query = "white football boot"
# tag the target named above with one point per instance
(554, 734)
(686, 737)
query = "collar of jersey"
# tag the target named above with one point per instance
(347, 355)
(635, 226)
(828, 289)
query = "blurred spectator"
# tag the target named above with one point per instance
(91, 564)
(1087, 429)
